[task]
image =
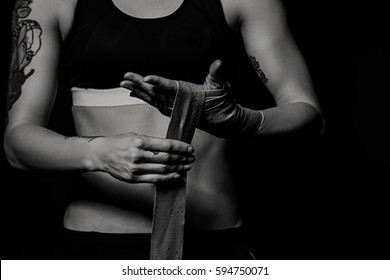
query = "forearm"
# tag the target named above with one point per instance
(299, 121)
(293, 121)
(30, 147)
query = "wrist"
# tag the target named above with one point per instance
(249, 122)
(92, 153)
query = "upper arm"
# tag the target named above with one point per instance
(34, 62)
(273, 52)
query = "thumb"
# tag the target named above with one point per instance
(216, 78)
(216, 71)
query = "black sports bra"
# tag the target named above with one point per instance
(105, 43)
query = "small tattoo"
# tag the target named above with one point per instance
(26, 42)
(258, 70)
(88, 138)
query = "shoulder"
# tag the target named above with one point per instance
(52, 15)
(239, 12)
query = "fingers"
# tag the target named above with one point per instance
(157, 91)
(134, 81)
(154, 167)
(160, 169)
(157, 173)
(138, 158)
(136, 91)
(164, 145)
(146, 149)
(161, 82)
(156, 178)
(167, 158)
(149, 83)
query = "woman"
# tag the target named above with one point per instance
(109, 47)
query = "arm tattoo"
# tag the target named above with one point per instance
(26, 42)
(258, 70)
(88, 138)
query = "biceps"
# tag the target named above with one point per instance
(33, 70)
(278, 62)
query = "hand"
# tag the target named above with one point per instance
(155, 90)
(137, 158)
(221, 115)
(161, 92)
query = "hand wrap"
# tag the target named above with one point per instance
(221, 115)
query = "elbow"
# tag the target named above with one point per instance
(11, 153)
(308, 125)
(11, 156)
(319, 129)
(315, 125)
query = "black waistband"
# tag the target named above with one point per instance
(212, 245)
(224, 235)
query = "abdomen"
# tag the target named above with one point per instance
(104, 204)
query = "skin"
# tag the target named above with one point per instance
(125, 164)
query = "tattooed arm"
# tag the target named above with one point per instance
(280, 65)
(36, 40)
(39, 27)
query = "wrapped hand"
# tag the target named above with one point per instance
(221, 116)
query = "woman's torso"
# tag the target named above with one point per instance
(176, 41)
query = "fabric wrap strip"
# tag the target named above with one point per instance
(170, 198)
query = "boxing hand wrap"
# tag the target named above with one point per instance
(221, 115)
(170, 198)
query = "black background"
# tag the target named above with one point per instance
(324, 202)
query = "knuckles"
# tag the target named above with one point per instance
(164, 169)
(139, 142)
(169, 146)
(134, 170)
(165, 158)
(135, 156)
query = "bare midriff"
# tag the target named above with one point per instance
(122, 207)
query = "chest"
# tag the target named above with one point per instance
(108, 42)
(148, 8)
(180, 42)
(163, 47)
